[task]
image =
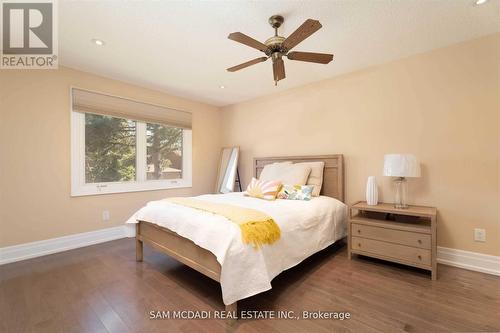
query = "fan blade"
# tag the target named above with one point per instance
(278, 69)
(249, 41)
(320, 58)
(246, 64)
(305, 30)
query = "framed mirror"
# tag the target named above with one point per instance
(228, 170)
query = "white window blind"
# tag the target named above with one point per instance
(96, 103)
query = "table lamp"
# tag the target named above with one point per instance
(401, 166)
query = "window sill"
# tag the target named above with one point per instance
(111, 188)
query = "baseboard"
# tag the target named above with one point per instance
(464, 259)
(469, 260)
(40, 248)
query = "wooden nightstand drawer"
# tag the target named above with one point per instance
(390, 250)
(390, 235)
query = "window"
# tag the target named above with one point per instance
(110, 149)
(118, 152)
(164, 152)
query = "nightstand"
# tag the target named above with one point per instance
(405, 236)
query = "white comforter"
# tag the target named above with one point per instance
(306, 227)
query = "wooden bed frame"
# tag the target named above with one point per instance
(204, 261)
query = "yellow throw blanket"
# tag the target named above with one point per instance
(256, 227)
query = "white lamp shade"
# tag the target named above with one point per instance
(401, 165)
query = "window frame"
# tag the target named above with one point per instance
(80, 188)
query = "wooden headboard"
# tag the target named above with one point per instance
(333, 174)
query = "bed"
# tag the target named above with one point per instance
(322, 221)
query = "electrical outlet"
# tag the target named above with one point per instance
(479, 235)
(105, 215)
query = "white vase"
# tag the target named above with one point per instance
(371, 191)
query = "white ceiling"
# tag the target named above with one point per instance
(181, 47)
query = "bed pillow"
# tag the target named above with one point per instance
(287, 173)
(296, 192)
(316, 176)
(267, 190)
(272, 171)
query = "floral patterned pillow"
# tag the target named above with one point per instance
(296, 192)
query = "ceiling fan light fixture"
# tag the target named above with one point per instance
(278, 47)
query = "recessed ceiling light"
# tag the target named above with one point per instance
(222, 87)
(98, 42)
(481, 2)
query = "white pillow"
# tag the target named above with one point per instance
(272, 171)
(316, 176)
(287, 173)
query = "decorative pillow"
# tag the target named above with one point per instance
(287, 173)
(316, 176)
(296, 192)
(267, 190)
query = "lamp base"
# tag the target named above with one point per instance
(400, 206)
(401, 193)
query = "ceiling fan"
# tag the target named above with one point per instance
(277, 47)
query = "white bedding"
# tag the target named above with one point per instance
(306, 227)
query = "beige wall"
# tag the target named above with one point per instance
(35, 201)
(443, 106)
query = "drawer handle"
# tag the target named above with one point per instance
(419, 257)
(359, 244)
(419, 241)
(359, 231)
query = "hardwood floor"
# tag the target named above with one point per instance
(102, 289)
